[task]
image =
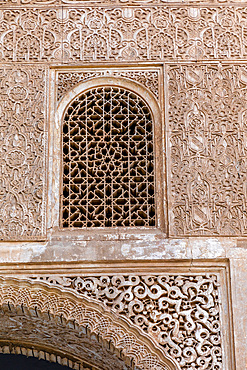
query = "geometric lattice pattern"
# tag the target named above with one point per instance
(108, 162)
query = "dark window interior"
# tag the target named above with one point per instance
(20, 362)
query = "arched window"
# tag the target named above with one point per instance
(108, 160)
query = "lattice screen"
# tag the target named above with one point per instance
(108, 160)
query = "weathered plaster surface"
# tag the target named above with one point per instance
(212, 33)
(65, 249)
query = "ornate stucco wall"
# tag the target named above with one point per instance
(188, 60)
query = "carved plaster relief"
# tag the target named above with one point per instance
(154, 33)
(155, 315)
(56, 312)
(180, 312)
(67, 80)
(30, 35)
(207, 141)
(22, 152)
(122, 34)
(13, 3)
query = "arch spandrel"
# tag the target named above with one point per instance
(40, 315)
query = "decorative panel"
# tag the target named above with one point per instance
(122, 33)
(68, 80)
(124, 3)
(22, 152)
(73, 326)
(180, 311)
(154, 33)
(208, 152)
(30, 35)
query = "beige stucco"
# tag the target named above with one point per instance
(188, 62)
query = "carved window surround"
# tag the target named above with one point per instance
(65, 84)
(184, 308)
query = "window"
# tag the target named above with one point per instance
(108, 160)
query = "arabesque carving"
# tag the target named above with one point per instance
(180, 312)
(22, 152)
(207, 129)
(154, 33)
(30, 35)
(122, 34)
(12, 3)
(67, 308)
(67, 80)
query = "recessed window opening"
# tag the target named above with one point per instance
(108, 161)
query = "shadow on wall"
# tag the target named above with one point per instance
(20, 362)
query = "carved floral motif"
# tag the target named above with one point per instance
(67, 80)
(30, 35)
(22, 152)
(123, 33)
(180, 312)
(208, 133)
(154, 33)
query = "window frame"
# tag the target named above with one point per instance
(57, 111)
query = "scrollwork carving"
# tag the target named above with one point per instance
(180, 312)
(27, 298)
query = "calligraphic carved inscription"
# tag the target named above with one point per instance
(22, 175)
(87, 34)
(208, 133)
(180, 312)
